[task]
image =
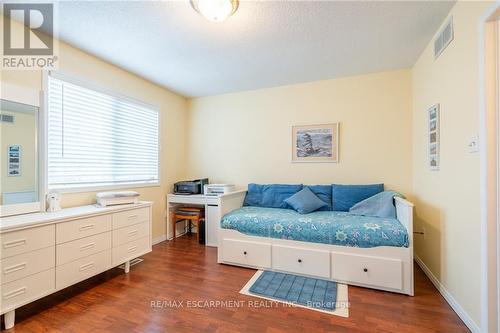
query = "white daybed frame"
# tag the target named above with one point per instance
(385, 267)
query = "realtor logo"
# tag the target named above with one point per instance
(28, 30)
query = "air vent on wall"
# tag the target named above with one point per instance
(444, 38)
(5, 118)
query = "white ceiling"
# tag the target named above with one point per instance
(264, 44)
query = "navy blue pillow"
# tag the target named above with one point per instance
(346, 196)
(324, 192)
(305, 201)
(270, 196)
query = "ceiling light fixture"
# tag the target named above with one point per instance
(215, 10)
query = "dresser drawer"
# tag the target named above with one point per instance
(128, 234)
(247, 253)
(82, 269)
(83, 247)
(68, 231)
(20, 292)
(302, 261)
(366, 270)
(131, 250)
(130, 217)
(22, 241)
(20, 266)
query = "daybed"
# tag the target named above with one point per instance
(365, 251)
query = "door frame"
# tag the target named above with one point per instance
(489, 141)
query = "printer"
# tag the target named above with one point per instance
(190, 186)
(218, 189)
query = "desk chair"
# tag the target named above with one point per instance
(192, 214)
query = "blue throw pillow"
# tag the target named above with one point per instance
(270, 196)
(324, 192)
(379, 205)
(346, 196)
(305, 201)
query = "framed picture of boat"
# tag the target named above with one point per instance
(315, 143)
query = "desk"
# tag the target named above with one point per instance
(215, 208)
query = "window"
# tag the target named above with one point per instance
(98, 139)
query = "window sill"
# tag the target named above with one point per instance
(102, 188)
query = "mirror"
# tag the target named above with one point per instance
(18, 157)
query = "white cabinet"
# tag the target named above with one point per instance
(130, 217)
(254, 254)
(301, 261)
(82, 269)
(20, 292)
(368, 270)
(20, 266)
(83, 247)
(130, 250)
(22, 241)
(212, 220)
(130, 233)
(215, 208)
(80, 228)
(45, 252)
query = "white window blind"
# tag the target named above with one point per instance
(97, 139)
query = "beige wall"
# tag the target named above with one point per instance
(246, 137)
(447, 201)
(172, 120)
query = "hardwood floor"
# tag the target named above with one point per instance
(185, 271)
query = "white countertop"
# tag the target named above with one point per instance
(203, 196)
(16, 222)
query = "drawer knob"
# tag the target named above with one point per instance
(245, 252)
(365, 269)
(300, 260)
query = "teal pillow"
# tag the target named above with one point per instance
(324, 192)
(305, 201)
(346, 196)
(270, 195)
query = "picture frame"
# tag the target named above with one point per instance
(433, 148)
(14, 159)
(315, 143)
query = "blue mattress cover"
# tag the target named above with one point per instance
(326, 227)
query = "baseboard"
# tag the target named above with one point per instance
(159, 239)
(448, 297)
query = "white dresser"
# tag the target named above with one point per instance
(42, 253)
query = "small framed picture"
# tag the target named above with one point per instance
(315, 143)
(433, 137)
(14, 161)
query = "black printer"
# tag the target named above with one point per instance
(190, 186)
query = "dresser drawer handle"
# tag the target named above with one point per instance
(132, 217)
(14, 268)
(132, 249)
(365, 269)
(87, 247)
(87, 227)
(15, 243)
(132, 233)
(86, 266)
(299, 261)
(15, 293)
